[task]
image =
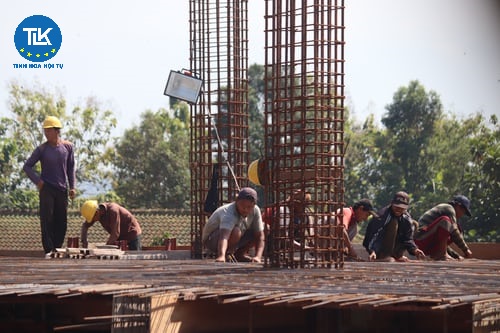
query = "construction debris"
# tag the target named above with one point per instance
(105, 254)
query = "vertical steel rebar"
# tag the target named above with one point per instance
(304, 121)
(304, 128)
(219, 121)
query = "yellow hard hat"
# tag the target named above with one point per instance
(52, 122)
(88, 210)
(253, 172)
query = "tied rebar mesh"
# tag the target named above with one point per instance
(219, 121)
(304, 129)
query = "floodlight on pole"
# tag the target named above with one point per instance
(183, 85)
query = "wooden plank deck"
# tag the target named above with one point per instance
(436, 283)
(374, 286)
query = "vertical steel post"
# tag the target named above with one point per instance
(304, 128)
(219, 121)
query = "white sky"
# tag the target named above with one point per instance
(122, 51)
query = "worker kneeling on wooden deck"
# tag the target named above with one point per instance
(391, 233)
(235, 227)
(351, 217)
(439, 227)
(115, 219)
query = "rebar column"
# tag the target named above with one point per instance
(219, 121)
(304, 128)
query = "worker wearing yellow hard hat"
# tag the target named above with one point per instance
(89, 209)
(119, 223)
(55, 183)
(52, 122)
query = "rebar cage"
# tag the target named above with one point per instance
(304, 123)
(304, 128)
(219, 121)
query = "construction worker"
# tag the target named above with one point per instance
(116, 220)
(391, 233)
(234, 228)
(55, 183)
(439, 227)
(295, 209)
(351, 216)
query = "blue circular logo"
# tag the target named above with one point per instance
(38, 38)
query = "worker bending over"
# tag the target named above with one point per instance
(439, 228)
(116, 220)
(235, 227)
(351, 217)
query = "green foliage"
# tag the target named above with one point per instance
(482, 176)
(21, 200)
(21, 134)
(410, 121)
(256, 112)
(18, 139)
(151, 162)
(160, 240)
(109, 196)
(89, 129)
(432, 156)
(361, 171)
(420, 149)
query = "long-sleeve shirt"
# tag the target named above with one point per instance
(57, 165)
(117, 221)
(455, 230)
(437, 211)
(375, 231)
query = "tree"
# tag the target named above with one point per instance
(256, 112)
(443, 156)
(361, 172)
(152, 162)
(88, 128)
(410, 121)
(482, 177)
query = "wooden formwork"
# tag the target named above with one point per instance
(143, 313)
(38, 295)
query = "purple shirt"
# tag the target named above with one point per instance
(57, 162)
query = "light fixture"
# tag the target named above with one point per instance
(183, 85)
